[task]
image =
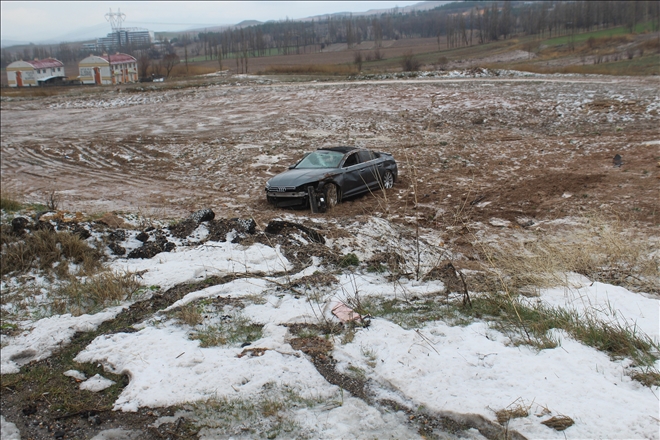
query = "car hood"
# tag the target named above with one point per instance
(297, 177)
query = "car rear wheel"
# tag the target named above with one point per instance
(331, 195)
(388, 180)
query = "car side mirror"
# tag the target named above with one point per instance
(291, 167)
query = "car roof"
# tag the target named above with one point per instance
(342, 150)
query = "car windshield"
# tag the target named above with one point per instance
(321, 159)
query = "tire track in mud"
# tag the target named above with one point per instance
(478, 130)
(84, 168)
(57, 165)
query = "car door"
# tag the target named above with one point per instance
(368, 169)
(351, 177)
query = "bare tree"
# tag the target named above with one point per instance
(357, 59)
(168, 62)
(185, 41)
(378, 32)
(143, 63)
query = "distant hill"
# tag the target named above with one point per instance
(9, 43)
(102, 29)
(246, 23)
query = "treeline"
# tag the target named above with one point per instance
(462, 23)
(457, 24)
(74, 52)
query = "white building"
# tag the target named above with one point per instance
(34, 73)
(124, 37)
(119, 68)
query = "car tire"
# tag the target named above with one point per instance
(388, 180)
(331, 193)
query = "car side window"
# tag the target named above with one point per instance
(365, 156)
(351, 160)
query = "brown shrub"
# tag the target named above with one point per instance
(409, 63)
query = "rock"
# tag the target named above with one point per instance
(117, 235)
(203, 215)
(618, 160)
(116, 248)
(142, 236)
(112, 220)
(80, 231)
(18, 225)
(29, 410)
(150, 249)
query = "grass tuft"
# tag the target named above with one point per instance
(189, 314)
(235, 329)
(531, 324)
(94, 293)
(262, 416)
(516, 410)
(349, 260)
(600, 250)
(9, 202)
(47, 251)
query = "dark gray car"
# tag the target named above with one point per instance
(323, 178)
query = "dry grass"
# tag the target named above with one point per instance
(559, 423)
(601, 250)
(514, 411)
(95, 293)
(310, 69)
(649, 377)
(48, 251)
(32, 92)
(189, 314)
(193, 69)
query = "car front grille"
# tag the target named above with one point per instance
(281, 188)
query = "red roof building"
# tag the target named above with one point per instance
(35, 72)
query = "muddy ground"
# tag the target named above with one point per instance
(493, 151)
(483, 148)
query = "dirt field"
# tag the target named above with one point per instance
(491, 152)
(508, 148)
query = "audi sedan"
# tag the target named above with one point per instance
(324, 177)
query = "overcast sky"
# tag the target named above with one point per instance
(36, 21)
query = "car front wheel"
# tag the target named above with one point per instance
(331, 195)
(388, 180)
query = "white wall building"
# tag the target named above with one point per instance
(34, 73)
(119, 68)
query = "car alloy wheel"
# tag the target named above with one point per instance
(388, 180)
